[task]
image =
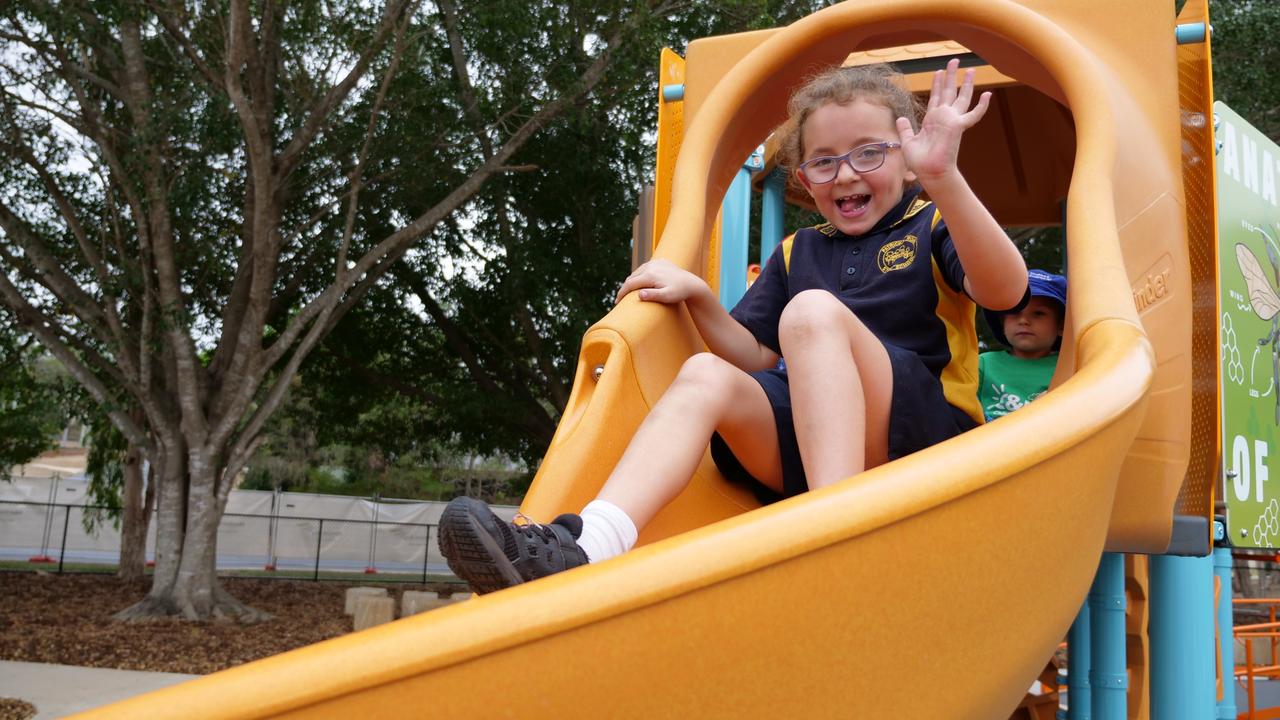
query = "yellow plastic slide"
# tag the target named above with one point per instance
(849, 601)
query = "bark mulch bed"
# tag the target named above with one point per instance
(66, 619)
(11, 709)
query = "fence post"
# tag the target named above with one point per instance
(426, 554)
(272, 525)
(371, 568)
(319, 534)
(43, 556)
(62, 552)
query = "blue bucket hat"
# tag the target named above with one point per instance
(1043, 284)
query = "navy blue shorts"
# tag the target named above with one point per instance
(919, 417)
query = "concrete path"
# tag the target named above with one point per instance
(61, 690)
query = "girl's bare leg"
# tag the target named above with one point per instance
(709, 395)
(841, 388)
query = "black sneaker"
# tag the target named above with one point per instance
(492, 554)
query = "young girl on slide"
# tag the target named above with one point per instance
(873, 311)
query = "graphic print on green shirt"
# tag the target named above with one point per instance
(1006, 383)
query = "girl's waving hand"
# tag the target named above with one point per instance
(932, 152)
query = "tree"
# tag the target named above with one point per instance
(193, 198)
(30, 413)
(1245, 58)
(473, 348)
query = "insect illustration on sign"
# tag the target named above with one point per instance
(1263, 298)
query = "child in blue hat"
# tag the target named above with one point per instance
(1009, 379)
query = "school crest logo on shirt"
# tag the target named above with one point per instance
(897, 254)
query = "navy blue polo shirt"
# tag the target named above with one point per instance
(903, 279)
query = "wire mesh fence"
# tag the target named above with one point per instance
(53, 536)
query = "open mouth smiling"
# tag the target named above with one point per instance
(852, 204)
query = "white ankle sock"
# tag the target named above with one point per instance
(607, 531)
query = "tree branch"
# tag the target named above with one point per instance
(58, 113)
(470, 104)
(459, 342)
(236, 462)
(71, 217)
(555, 387)
(42, 327)
(358, 171)
(48, 273)
(165, 14)
(51, 51)
(319, 115)
(375, 263)
(275, 395)
(188, 386)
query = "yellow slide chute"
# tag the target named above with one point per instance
(844, 602)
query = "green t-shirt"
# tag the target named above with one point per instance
(1006, 383)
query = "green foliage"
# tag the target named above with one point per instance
(1246, 60)
(301, 454)
(163, 210)
(471, 350)
(105, 467)
(365, 471)
(31, 394)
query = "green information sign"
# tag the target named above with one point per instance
(1248, 166)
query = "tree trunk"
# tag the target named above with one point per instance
(171, 505)
(186, 582)
(135, 520)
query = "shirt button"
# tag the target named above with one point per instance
(850, 271)
(857, 250)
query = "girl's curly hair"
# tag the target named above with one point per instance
(878, 83)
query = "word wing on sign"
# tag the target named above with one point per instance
(1247, 165)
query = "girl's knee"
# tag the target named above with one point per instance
(706, 371)
(812, 312)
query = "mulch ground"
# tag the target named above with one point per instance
(66, 619)
(11, 709)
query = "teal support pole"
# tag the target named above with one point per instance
(1191, 33)
(1222, 567)
(735, 229)
(1079, 659)
(1108, 676)
(1181, 628)
(771, 209)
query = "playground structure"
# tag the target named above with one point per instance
(843, 602)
